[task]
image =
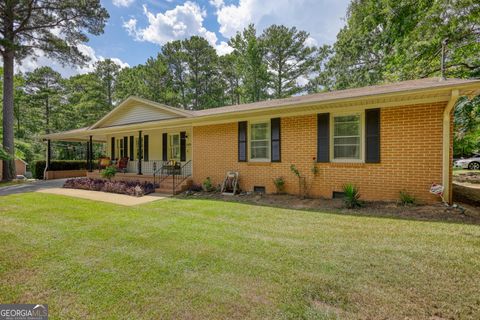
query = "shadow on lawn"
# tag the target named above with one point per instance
(433, 213)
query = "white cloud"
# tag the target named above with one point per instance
(223, 48)
(321, 18)
(181, 22)
(39, 59)
(122, 3)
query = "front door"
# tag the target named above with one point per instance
(174, 146)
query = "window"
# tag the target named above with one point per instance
(121, 150)
(347, 137)
(174, 141)
(260, 141)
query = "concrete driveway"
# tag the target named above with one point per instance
(55, 187)
(31, 186)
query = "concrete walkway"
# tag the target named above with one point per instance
(55, 187)
(115, 198)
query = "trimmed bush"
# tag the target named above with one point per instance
(109, 172)
(131, 188)
(59, 165)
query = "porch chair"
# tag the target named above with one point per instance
(171, 167)
(103, 163)
(122, 165)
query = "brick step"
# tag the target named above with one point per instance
(168, 191)
(167, 186)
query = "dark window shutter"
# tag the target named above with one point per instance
(112, 148)
(125, 146)
(145, 147)
(132, 152)
(165, 147)
(183, 146)
(242, 141)
(276, 139)
(372, 138)
(323, 137)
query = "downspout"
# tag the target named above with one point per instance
(447, 183)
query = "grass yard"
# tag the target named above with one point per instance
(457, 171)
(11, 183)
(199, 259)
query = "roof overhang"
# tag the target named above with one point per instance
(292, 107)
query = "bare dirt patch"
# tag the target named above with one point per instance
(436, 212)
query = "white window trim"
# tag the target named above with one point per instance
(362, 136)
(269, 138)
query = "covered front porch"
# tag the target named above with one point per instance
(160, 156)
(143, 140)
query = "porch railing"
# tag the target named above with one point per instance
(148, 167)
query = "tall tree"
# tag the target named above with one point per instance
(251, 52)
(52, 26)
(156, 80)
(319, 79)
(44, 87)
(202, 72)
(107, 72)
(176, 60)
(230, 73)
(130, 82)
(85, 101)
(288, 57)
(399, 40)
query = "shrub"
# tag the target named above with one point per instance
(133, 188)
(109, 172)
(279, 184)
(58, 165)
(351, 196)
(406, 198)
(207, 185)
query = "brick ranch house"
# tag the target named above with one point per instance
(383, 138)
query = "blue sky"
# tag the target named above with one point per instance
(137, 29)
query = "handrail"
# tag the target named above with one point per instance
(182, 176)
(161, 172)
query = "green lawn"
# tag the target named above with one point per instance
(199, 259)
(457, 171)
(11, 183)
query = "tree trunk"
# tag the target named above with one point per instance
(8, 117)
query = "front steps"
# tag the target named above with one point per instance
(166, 186)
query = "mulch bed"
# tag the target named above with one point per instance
(464, 213)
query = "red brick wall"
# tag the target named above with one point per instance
(411, 156)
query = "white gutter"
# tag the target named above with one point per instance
(447, 184)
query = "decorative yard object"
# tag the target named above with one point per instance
(230, 184)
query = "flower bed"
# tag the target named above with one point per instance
(132, 188)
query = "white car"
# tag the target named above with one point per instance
(472, 163)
